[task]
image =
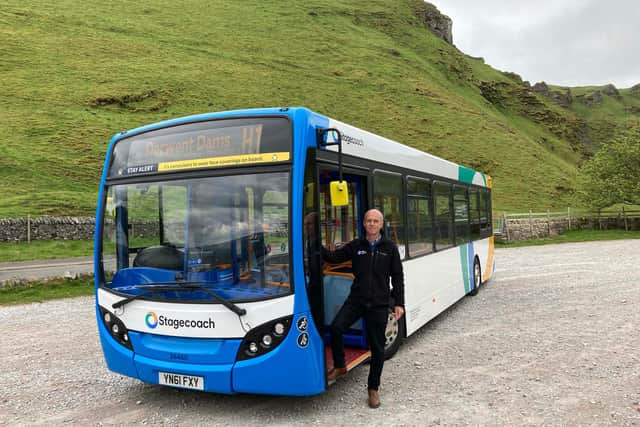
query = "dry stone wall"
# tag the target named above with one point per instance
(60, 228)
(82, 228)
(514, 230)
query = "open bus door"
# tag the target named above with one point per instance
(328, 285)
(340, 225)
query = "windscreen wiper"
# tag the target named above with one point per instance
(186, 286)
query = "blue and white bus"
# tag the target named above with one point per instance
(208, 272)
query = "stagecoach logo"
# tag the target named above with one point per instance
(151, 319)
(352, 140)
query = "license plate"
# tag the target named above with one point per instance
(180, 380)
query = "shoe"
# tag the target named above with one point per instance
(336, 373)
(374, 399)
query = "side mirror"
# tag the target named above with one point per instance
(331, 137)
(309, 195)
(339, 192)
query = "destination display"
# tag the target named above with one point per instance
(211, 144)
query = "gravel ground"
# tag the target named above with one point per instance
(552, 339)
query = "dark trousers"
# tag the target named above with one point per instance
(375, 319)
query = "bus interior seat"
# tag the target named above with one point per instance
(337, 285)
(165, 257)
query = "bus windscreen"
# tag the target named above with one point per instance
(208, 144)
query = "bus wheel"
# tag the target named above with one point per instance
(393, 335)
(477, 277)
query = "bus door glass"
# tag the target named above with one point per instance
(338, 226)
(311, 242)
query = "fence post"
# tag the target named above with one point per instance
(599, 220)
(569, 216)
(548, 224)
(506, 225)
(530, 225)
(624, 215)
(28, 228)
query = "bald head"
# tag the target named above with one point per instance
(375, 212)
(373, 221)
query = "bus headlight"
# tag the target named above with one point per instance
(264, 338)
(279, 328)
(115, 327)
(267, 340)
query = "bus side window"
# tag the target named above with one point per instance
(443, 215)
(387, 197)
(461, 214)
(419, 231)
(474, 210)
(485, 213)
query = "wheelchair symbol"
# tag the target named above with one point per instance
(302, 324)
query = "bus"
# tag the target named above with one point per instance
(209, 228)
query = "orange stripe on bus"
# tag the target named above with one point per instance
(488, 269)
(358, 360)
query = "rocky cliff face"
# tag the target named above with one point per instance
(435, 21)
(562, 99)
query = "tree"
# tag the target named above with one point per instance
(612, 175)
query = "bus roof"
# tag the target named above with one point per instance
(361, 143)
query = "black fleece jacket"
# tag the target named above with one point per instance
(372, 270)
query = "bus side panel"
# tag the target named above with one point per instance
(294, 368)
(484, 249)
(432, 283)
(467, 254)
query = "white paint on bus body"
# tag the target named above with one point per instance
(367, 145)
(435, 282)
(194, 320)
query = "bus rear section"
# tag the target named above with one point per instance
(194, 271)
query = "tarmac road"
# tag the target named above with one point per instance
(551, 340)
(44, 269)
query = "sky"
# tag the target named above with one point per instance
(560, 42)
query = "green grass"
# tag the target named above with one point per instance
(44, 291)
(45, 249)
(575, 236)
(111, 66)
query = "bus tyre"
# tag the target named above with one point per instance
(394, 334)
(477, 277)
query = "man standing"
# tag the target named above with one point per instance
(374, 259)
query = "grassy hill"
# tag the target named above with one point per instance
(74, 73)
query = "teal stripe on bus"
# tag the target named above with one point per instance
(464, 263)
(465, 174)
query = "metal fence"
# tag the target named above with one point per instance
(528, 225)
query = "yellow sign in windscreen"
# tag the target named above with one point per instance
(212, 162)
